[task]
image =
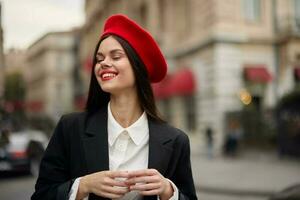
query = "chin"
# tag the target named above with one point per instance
(117, 88)
(110, 88)
(107, 89)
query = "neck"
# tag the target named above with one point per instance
(126, 109)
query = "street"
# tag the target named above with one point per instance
(16, 186)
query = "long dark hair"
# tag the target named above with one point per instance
(97, 98)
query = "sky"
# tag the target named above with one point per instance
(25, 21)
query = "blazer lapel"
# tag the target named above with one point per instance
(159, 150)
(95, 142)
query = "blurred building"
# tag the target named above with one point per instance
(14, 71)
(287, 29)
(51, 74)
(15, 61)
(223, 55)
(1, 57)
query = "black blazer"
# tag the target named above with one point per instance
(79, 146)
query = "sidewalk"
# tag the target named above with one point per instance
(252, 174)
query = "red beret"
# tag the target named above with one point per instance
(141, 41)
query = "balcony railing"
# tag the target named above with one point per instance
(288, 25)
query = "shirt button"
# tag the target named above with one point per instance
(125, 135)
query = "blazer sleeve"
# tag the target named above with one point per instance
(54, 180)
(183, 173)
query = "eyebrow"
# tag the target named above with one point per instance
(111, 52)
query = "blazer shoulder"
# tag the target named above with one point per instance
(73, 117)
(70, 124)
(174, 132)
(173, 129)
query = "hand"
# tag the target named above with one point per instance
(149, 182)
(108, 184)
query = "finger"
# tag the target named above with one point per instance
(118, 174)
(142, 179)
(115, 190)
(108, 195)
(143, 172)
(144, 187)
(119, 183)
(150, 192)
(114, 182)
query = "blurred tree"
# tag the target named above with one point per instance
(14, 88)
(14, 98)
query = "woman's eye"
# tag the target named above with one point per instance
(99, 60)
(116, 57)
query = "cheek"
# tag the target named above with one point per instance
(131, 72)
(133, 77)
(130, 76)
(127, 71)
(96, 68)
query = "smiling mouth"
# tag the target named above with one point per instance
(108, 76)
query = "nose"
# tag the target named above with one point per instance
(105, 63)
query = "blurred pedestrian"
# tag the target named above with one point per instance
(119, 148)
(232, 138)
(4, 137)
(209, 142)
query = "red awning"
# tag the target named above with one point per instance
(161, 90)
(297, 73)
(35, 106)
(181, 83)
(11, 106)
(258, 74)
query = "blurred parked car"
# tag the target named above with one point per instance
(22, 150)
(290, 193)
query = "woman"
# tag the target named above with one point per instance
(119, 148)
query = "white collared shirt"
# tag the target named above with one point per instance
(128, 147)
(128, 150)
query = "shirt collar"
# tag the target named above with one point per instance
(137, 131)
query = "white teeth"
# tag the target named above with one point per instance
(108, 75)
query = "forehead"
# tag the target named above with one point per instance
(109, 44)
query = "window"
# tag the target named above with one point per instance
(297, 12)
(167, 110)
(144, 15)
(191, 109)
(251, 10)
(187, 16)
(162, 11)
(59, 63)
(60, 105)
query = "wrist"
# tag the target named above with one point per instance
(168, 191)
(83, 189)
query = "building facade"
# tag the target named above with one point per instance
(13, 98)
(51, 64)
(15, 60)
(1, 58)
(223, 55)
